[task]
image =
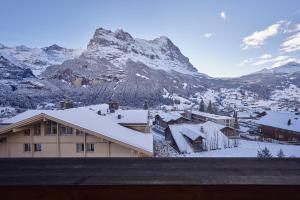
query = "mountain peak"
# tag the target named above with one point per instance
(53, 47)
(104, 37)
(288, 68)
(122, 35)
(119, 46)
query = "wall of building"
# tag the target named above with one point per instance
(279, 134)
(61, 145)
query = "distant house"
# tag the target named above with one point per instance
(164, 119)
(282, 126)
(190, 138)
(91, 131)
(198, 116)
(245, 115)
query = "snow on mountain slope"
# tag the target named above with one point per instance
(291, 93)
(119, 46)
(38, 59)
(289, 68)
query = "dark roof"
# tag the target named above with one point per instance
(149, 171)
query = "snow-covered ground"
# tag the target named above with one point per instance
(249, 149)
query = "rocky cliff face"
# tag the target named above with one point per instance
(8, 70)
(119, 46)
(117, 66)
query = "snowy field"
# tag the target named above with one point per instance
(249, 149)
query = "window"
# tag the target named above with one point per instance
(37, 147)
(27, 147)
(90, 147)
(48, 127)
(37, 130)
(51, 128)
(66, 130)
(78, 132)
(3, 140)
(79, 147)
(27, 132)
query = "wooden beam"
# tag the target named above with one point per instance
(21, 129)
(31, 141)
(84, 144)
(57, 140)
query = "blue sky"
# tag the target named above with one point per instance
(217, 35)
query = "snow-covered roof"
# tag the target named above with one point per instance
(280, 120)
(130, 116)
(87, 118)
(211, 132)
(168, 116)
(182, 144)
(127, 116)
(209, 115)
(193, 134)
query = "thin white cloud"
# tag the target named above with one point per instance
(244, 62)
(223, 15)
(283, 62)
(258, 38)
(269, 61)
(207, 35)
(265, 56)
(292, 43)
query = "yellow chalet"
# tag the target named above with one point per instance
(93, 131)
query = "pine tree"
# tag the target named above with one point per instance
(280, 154)
(201, 107)
(265, 153)
(146, 105)
(209, 107)
(236, 121)
(214, 108)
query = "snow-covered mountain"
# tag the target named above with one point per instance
(38, 59)
(117, 66)
(119, 46)
(128, 70)
(289, 68)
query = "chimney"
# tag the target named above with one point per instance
(62, 105)
(113, 106)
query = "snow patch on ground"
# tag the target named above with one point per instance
(142, 76)
(249, 149)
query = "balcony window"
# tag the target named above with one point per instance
(79, 147)
(27, 147)
(90, 147)
(37, 130)
(37, 147)
(78, 132)
(51, 128)
(66, 130)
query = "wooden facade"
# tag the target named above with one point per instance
(50, 137)
(279, 134)
(196, 144)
